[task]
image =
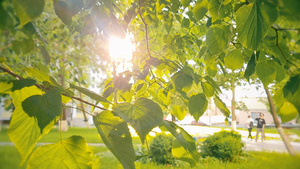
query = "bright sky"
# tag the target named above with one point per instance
(245, 91)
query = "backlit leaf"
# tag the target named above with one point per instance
(5, 87)
(23, 130)
(116, 136)
(89, 93)
(208, 89)
(143, 115)
(200, 9)
(234, 59)
(265, 72)
(178, 112)
(27, 10)
(180, 153)
(197, 105)
(250, 67)
(252, 25)
(44, 108)
(185, 3)
(70, 153)
(218, 38)
(291, 91)
(287, 112)
(182, 137)
(218, 10)
(221, 106)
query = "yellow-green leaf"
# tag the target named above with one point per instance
(200, 9)
(70, 153)
(287, 112)
(23, 130)
(116, 136)
(27, 10)
(143, 115)
(197, 105)
(218, 38)
(180, 153)
(234, 59)
(252, 25)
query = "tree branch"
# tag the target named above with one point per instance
(279, 48)
(146, 29)
(40, 87)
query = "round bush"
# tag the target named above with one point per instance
(161, 149)
(224, 145)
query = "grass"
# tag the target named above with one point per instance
(91, 135)
(10, 158)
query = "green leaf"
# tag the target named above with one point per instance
(182, 81)
(252, 25)
(218, 10)
(23, 130)
(221, 106)
(89, 93)
(265, 72)
(70, 153)
(39, 75)
(143, 115)
(207, 89)
(250, 67)
(197, 105)
(24, 46)
(65, 10)
(200, 9)
(291, 91)
(5, 87)
(182, 137)
(116, 136)
(45, 54)
(280, 71)
(185, 23)
(44, 108)
(213, 84)
(185, 3)
(278, 98)
(6, 21)
(218, 38)
(27, 10)
(234, 59)
(178, 112)
(287, 112)
(19, 84)
(180, 153)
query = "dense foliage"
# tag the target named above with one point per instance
(48, 49)
(161, 149)
(224, 145)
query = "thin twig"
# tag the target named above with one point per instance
(11, 73)
(40, 87)
(146, 29)
(277, 44)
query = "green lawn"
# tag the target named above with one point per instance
(91, 135)
(10, 159)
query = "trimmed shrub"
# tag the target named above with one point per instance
(224, 145)
(161, 149)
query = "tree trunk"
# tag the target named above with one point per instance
(173, 118)
(63, 126)
(285, 140)
(84, 115)
(233, 122)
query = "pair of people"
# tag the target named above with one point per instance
(261, 123)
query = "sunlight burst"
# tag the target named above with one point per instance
(120, 49)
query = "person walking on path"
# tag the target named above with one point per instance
(261, 123)
(249, 124)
